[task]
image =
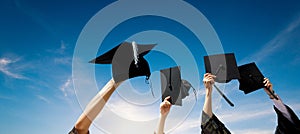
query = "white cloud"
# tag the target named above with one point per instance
(276, 43)
(67, 87)
(4, 61)
(63, 60)
(7, 97)
(7, 69)
(42, 98)
(61, 55)
(62, 48)
(246, 115)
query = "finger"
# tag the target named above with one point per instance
(168, 97)
(168, 103)
(211, 79)
(210, 75)
(266, 80)
(206, 74)
(266, 83)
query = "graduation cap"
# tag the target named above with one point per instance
(224, 67)
(127, 60)
(172, 85)
(185, 87)
(251, 79)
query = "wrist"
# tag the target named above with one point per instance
(163, 116)
(208, 92)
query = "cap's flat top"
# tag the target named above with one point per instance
(251, 78)
(223, 66)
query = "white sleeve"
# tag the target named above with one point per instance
(281, 107)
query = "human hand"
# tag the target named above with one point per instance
(268, 85)
(208, 81)
(165, 107)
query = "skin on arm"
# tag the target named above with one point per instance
(208, 81)
(165, 107)
(95, 106)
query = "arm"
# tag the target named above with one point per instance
(278, 103)
(94, 107)
(208, 81)
(210, 124)
(165, 107)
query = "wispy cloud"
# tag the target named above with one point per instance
(44, 99)
(61, 54)
(276, 43)
(6, 97)
(67, 88)
(59, 50)
(62, 48)
(7, 69)
(246, 115)
(63, 60)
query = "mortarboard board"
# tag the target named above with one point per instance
(127, 60)
(171, 84)
(223, 66)
(251, 78)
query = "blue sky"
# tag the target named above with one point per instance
(38, 45)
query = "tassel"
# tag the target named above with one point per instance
(135, 53)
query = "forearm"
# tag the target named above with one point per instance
(95, 106)
(161, 124)
(207, 107)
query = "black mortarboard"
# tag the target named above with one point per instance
(223, 66)
(171, 84)
(251, 78)
(127, 60)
